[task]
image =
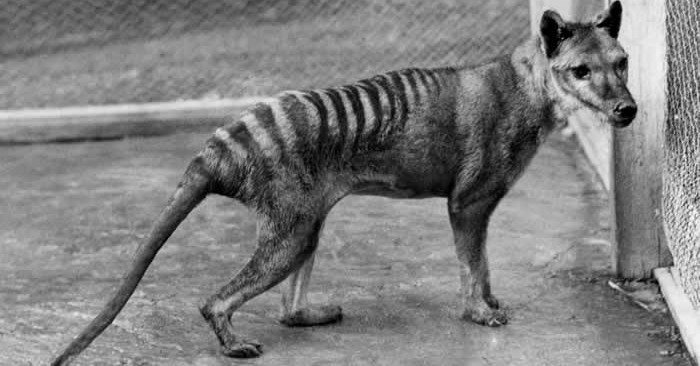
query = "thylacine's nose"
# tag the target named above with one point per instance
(625, 110)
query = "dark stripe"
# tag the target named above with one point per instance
(383, 83)
(412, 82)
(316, 100)
(341, 118)
(221, 152)
(401, 95)
(357, 108)
(424, 80)
(219, 147)
(298, 118)
(233, 182)
(239, 134)
(263, 113)
(261, 171)
(307, 164)
(436, 81)
(375, 102)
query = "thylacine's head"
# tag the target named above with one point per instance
(587, 66)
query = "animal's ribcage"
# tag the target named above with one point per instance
(318, 127)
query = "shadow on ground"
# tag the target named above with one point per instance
(73, 214)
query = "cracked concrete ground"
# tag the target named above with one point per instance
(72, 215)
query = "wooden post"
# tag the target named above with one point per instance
(639, 244)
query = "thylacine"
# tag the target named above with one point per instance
(463, 134)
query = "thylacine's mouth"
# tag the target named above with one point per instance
(620, 122)
(613, 118)
(610, 118)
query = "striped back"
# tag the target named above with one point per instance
(327, 127)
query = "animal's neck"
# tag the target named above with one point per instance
(532, 69)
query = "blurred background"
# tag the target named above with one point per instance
(79, 52)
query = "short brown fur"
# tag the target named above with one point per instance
(466, 134)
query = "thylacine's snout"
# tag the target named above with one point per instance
(623, 113)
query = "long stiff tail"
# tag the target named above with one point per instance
(191, 191)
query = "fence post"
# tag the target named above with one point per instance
(639, 244)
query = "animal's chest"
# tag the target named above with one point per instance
(518, 153)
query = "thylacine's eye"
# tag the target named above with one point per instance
(581, 72)
(622, 64)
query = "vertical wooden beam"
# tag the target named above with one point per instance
(639, 244)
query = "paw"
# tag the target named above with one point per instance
(242, 349)
(485, 315)
(313, 316)
(492, 302)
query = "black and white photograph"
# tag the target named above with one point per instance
(350, 182)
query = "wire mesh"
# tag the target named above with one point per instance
(76, 52)
(681, 191)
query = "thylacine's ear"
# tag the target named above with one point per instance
(553, 31)
(610, 19)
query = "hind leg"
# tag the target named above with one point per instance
(295, 308)
(282, 249)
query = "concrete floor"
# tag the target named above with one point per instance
(72, 215)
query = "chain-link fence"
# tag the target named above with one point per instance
(682, 160)
(76, 52)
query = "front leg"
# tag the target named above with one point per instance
(469, 224)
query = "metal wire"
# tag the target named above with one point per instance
(681, 191)
(75, 52)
